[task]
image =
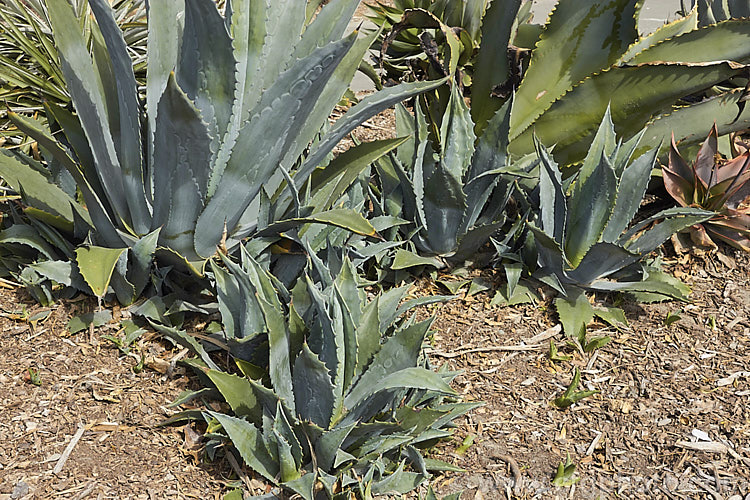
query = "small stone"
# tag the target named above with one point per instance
(20, 490)
(671, 482)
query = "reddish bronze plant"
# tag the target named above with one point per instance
(717, 184)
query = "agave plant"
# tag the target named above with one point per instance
(584, 239)
(713, 183)
(589, 56)
(417, 32)
(345, 402)
(452, 186)
(231, 105)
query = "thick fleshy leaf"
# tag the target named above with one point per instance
(630, 192)
(726, 41)
(671, 221)
(576, 42)
(653, 88)
(39, 191)
(405, 259)
(206, 67)
(127, 113)
(491, 67)
(338, 217)
(491, 154)
(249, 442)
(313, 389)
(367, 107)
(677, 27)
(239, 394)
(601, 260)
(399, 352)
(552, 201)
(689, 123)
(589, 209)
(163, 40)
(262, 142)
(96, 265)
(83, 85)
(575, 311)
(181, 155)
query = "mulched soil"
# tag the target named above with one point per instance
(671, 420)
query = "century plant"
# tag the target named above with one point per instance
(716, 184)
(345, 402)
(221, 148)
(582, 229)
(416, 33)
(589, 56)
(451, 185)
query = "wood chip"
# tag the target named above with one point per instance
(710, 447)
(69, 449)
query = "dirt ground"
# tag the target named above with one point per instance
(671, 420)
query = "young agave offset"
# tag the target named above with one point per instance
(713, 183)
(583, 238)
(231, 104)
(452, 185)
(345, 402)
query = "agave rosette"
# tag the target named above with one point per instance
(713, 183)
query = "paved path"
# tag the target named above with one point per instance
(653, 15)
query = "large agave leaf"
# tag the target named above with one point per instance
(329, 25)
(39, 191)
(457, 136)
(206, 67)
(127, 114)
(163, 43)
(335, 87)
(726, 41)
(83, 85)
(552, 202)
(651, 88)
(630, 192)
(313, 390)
(248, 29)
(576, 42)
(444, 206)
(671, 221)
(367, 107)
(589, 209)
(278, 336)
(249, 442)
(284, 24)
(241, 315)
(602, 260)
(491, 154)
(665, 32)
(688, 123)
(97, 215)
(398, 353)
(238, 392)
(181, 153)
